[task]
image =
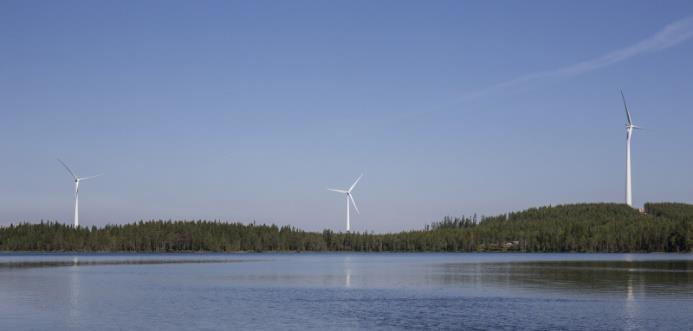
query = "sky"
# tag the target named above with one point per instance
(249, 110)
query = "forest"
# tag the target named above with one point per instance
(593, 227)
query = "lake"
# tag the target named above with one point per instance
(346, 291)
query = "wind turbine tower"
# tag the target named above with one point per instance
(629, 135)
(77, 180)
(349, 199)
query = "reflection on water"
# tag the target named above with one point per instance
(347, 271)
(74, 287)
(631, 307)
(346, 291)
(75, 262)
(630, 278)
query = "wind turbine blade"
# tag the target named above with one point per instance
(90, 177)
(356, 182)
(630, 121)
(353, 203)
(68, 169)
(336, 190)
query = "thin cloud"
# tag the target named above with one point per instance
(671, 35)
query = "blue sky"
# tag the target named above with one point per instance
(249, 110)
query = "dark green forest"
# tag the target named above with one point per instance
(596, 227)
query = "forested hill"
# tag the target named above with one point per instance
(665, 227)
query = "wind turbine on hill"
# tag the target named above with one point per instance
(629, 135)
(77, 180)
(349, 198)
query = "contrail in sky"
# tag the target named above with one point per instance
(671, 35)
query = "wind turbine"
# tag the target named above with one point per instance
(629, 134)
(349, 197)
(77, 180)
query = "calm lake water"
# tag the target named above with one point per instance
(346, 291)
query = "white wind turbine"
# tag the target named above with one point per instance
(77, 180)
(629, 134)
(349, 197)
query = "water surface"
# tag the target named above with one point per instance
(346, 291)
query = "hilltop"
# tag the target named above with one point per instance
(593, 227)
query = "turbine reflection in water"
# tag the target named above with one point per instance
(74, 288)
(631, 307)
(347, 271)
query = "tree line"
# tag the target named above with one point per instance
(596, 227)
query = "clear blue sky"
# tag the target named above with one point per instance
(249, 110)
